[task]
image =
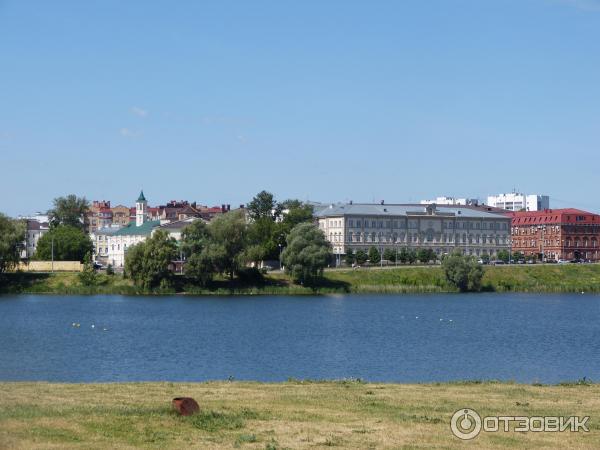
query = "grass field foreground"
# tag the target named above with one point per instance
(294, 415)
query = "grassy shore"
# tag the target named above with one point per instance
(423, 279)
(295, 415)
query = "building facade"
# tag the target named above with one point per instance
(451, 201)
(443, 229)
(519, 202)
(556, 234)
(34, 231)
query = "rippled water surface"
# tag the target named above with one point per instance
(406, 338)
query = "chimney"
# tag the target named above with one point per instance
(350, 201)
(382, 202)
(241, 206)
(222, 208)
(228, 207)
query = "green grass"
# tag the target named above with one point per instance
(405, 279)
(295, 415)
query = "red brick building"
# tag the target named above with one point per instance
(554, 234)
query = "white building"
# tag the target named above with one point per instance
(519, 202)
(444, 229)
(451, 201)
(35, 230)
(111, 244)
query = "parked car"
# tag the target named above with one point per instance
(563, 261)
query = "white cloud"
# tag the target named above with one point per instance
(128, 133)
(140, 112)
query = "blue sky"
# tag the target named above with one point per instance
(325, 100)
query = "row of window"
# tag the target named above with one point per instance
(568, 243)
(356, 237)
(402, 224)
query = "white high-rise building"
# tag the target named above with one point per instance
(451, 201)
(519, 202)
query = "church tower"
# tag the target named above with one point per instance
(141, 210)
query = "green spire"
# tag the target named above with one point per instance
(141, 198)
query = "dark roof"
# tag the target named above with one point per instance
(141, 198)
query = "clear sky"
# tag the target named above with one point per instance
(325, 100)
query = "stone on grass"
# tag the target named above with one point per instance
(186, 406)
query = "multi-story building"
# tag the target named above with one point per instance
(34, 231)
(519, 202)
(451, 201)
(111, 243)
(120, 216)
(555, 234)
(472, 230)
(99, 215)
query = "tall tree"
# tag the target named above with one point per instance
(263, 205)
(70, 244)
(229, 234)
(12, 236)
(147, 263)
(196, 246)
(307, 253)
(70, 210)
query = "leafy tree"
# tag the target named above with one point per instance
(110, 270)
(307, 253)
(349, 257)
(12, 236)
(70, 244)
(425, 255)
(389, 255)
(195, 240)
(228, 233)
(485, 258)
(518, 256)
(374, 255)
(263, 205)
(411, 256)
(263, 235)
(503, 256)
(361, 257)
(88, 276)
(70, 210)
(403, 255)
(463, 272)
(147, 263)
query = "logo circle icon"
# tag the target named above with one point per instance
(465, 424)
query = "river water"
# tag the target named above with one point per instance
(391, 338)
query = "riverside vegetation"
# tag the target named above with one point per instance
(295, 414)
(404, 279)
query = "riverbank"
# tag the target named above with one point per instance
(298, 415)
(406, 279)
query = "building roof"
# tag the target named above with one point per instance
(141, 198)
(374, 209)
(131, 229)
(566, 215)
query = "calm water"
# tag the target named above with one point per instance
(408, 338)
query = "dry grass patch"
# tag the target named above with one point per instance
(296, 415)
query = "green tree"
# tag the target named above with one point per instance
(70, 244)
(463, 272)
(88, 276)
(70, 210)
(307, 253)
(374, 255)
(12, 237)
(195, 243)
(263, 205)
(349, 257)
(228, 234)
(485, 258)
(389, 255)
(361, 257)
(503, 256)
(110, 270)
(411, 256)
(424, 255)
(518, 256)
(147, 263)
